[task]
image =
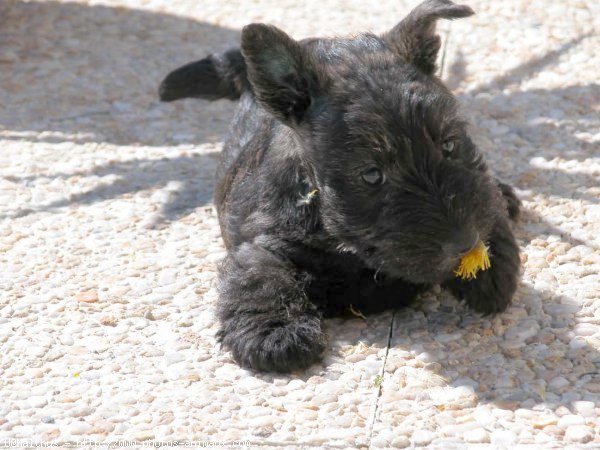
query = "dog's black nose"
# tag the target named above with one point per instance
(462, 243)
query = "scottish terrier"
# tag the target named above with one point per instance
(348, 181)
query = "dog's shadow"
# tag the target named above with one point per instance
(526, 357)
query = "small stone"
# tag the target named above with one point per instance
(586, 329)
(295, 384)
(579, 433)
(36, 351)
(500, 130)
(66, 339)
(505, 382)
(110, 321)
(67, 398)
(447, 337)
(81, 411)
(144, 435)
(34, 373)
(87, 297)
(103, 426)
(570, 420)
(51, 434)
(185, 322)
(37, 401)
(400, 442)
(47, 419)
(383, 437)
(128, 399)
(251, 384)
(79, 428)
(558, 383)
(453, 397)
(506, 405)
(476, 436)
(423, 437)
(173, 358)
(578, 343)
(585, 408)
(522, 331)
(503, 438)
(542, 438)
(356, 357)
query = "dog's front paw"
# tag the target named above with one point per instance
(492, 290)
(277, 347)
(266, 319)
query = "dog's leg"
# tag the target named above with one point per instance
(493, 289)
(513, 204)
(267, 321)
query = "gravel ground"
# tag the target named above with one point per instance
(109, 241)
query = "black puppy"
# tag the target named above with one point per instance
(348, 179)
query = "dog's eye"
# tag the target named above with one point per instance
(373, 176)
(448, 148)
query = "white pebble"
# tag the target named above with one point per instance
(423, 437)
(295, 384)
(585, 408)
(503, 437)
(578, 343)
(447, 337)
(476, 436)
(78, 428)
(569, 420)
(173, 358)
(66, 339)
(250, 383)
(586, 329)
(37, 401)
(522, 331)
(558, 383)
(383, 438)
(579, 433)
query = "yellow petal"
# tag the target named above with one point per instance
(474, 261)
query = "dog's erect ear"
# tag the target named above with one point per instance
(280, 71)
(415, 38)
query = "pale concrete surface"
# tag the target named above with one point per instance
(109, 241)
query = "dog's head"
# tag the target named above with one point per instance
(400, 182)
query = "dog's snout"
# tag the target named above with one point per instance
(461, 243)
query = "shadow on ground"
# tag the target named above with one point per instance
(541, 339)
(189, 181)
(571, 113)
(94, 71)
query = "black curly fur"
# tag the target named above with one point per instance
(306, 235)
